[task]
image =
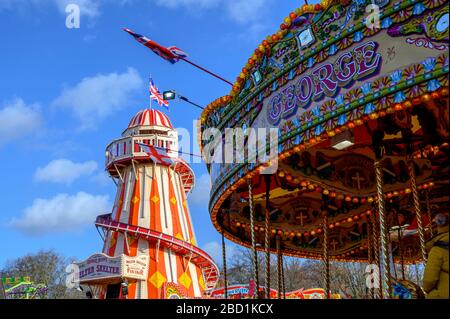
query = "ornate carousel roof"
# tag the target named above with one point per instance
(343, 96)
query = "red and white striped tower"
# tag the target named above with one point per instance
(151, 216)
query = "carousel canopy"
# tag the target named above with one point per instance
(345, 96)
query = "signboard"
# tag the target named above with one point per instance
(135, 267)
(339, 76)
(325, 80)
(242, 291)
(100, 267)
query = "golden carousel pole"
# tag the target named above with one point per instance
(252, 234)
(224, 259)
(400, 248)
(282, 277)
(279, 266)
(370, 250)
(376, 255)
(326, 256)
(267, 178)
(384, 231)
(427, 199)
(417, 209)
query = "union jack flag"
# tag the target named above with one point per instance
(171, 54)
(156, 95)
(157, 155)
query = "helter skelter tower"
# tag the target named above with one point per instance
(149, 240)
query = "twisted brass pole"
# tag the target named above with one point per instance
(282, 277)
(267, 246)
(252, 234)
(326, 257)
(266, 235)
(400, 248)
(224, 259)
(370, 251)
(417, 209)
(279, 283)
(376, 255)
(384, 231)
(427, 198)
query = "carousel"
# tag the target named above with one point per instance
(360, 104)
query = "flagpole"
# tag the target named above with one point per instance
(151, 100)
(207, 71)
(143, 40)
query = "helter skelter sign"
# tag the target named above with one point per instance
(326, 80)
(99, 267)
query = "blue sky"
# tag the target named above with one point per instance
(66, 93)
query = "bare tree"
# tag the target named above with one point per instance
(44, 267)
(348, 278)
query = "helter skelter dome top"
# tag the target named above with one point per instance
(346, 90)
(150, 117)
(153, 128)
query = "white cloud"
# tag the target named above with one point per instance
(241, 11)
(95, 98)
(214, 250)
(200, 193)
(245, 11)
(89, 8)
(61, 213)
(18, 120)
(64, 171)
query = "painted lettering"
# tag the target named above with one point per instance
(275, 109)
(290, 102)
(304, 90)
(324, 82)
(326, 79)
(369, 60)
(345, 68)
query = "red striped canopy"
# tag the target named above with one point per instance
(150, 118)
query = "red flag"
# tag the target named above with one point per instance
(171, 54)
(156, 155)
(156, 95)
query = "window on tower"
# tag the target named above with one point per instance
(153, 132)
